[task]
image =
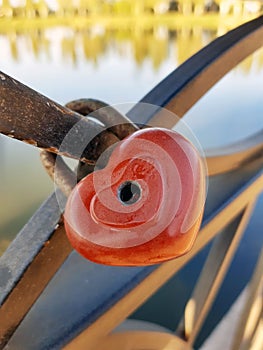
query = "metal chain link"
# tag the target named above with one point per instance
(113, 120)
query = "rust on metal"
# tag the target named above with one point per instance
(58, 171)
(116, 122)
(112, 119)
(33, 118)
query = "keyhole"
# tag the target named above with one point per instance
(129, 192)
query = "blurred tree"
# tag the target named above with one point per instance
(42, 9)
(65, 8)
(6, 9)
(12, 38)
(122, 7)
(29, 9)
(93, 47)
(69, 49)
(211, 6)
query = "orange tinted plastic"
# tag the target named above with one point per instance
(145, 207)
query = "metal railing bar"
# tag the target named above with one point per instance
(22, 297)
(189, 82)
(255, 318)
(23, 248)
(246, 144)
(257, 342)
(222, 164)
(234, 156)
(213, 273)
(244, 332)
(142, 340)
(131, 301)
(33, 118)
(28, 265)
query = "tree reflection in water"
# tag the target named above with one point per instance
(150, 39)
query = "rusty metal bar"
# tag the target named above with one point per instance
(33, 118)
(115, 122)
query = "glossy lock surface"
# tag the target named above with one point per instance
(144, 207)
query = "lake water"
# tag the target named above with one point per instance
(116, 63)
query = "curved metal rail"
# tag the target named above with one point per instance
(236, 155)
(27, 267)
(187, 84)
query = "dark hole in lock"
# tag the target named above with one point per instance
(129, 192)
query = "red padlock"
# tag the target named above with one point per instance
(144, 207)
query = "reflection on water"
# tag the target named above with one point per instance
(42, 8)
(90, 40)
(23, 187)
(69, 54)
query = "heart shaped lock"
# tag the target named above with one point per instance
(144, 207)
